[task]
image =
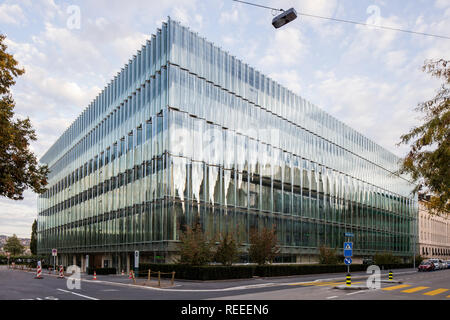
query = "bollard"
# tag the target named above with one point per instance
(38, 273)
(130, 276)
(149, 275)
(61, 272)
(173, 276)
(349, 280)
(390, 276)
(95, 276)
(134, 278)
(159, 279)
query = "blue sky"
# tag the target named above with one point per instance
(369, 78)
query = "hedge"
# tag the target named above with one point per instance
(101, 271)
(198, 272)
(248, 271)
(24, 260)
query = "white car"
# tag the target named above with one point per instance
(437, 264)
(444, 264)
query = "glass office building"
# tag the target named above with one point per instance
(187, 132)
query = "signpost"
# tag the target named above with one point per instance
(54, 254)
(136, 261)
(348, 253)
(349, 235)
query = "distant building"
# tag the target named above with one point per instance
(187, 131)
(434, 234)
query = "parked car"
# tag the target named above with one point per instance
(437, 263)
(426, 266)
(448, 264)
(367, 261)
(444, 264)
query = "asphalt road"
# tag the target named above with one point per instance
(21, 285)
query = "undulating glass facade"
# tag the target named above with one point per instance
(187, 131)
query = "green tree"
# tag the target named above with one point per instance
(263, 246)
(228, 250)
(19, 169)
(428, 159)
(33, 242)
(14, 246)
(195, 248)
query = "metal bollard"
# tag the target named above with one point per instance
(159, 279)
(390, 276)
(173, 276)
(134, 278)
(149, 274)
(349, 280)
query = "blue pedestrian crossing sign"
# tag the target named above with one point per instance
(348, 261)
(348, 249)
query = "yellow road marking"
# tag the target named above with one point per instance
(397, 287)
(434, 292)
(412, 290)
(318, 284)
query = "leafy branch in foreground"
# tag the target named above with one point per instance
(429, 157)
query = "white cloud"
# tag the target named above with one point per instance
(287, 48)
(442, 4)
(12, 14)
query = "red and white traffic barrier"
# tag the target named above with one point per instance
(38, 272)
(61, 272)
(95, 276)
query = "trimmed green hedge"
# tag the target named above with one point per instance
(198, 272)
(249, 271)
(24, 260)
(101, 271)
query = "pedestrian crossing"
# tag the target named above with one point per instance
(403, 288)
(426, 291)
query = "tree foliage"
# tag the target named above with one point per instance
(429, 157)
(14, 246)
(33, 241)
(19, 169)
(195, 248)
(263, 246)
(328, 256)
(228, 250)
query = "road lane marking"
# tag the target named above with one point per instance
(332, 297)
(397, 287)
(412, 290)
(349, 294)
(434, 292)
(77, 294)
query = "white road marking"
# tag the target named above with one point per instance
(332, 297)
(349, 294)
(77, 294)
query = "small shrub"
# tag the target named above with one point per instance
(263, 246)
(328, 256)
(228, 250)
(194, 247)
(385, 258)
